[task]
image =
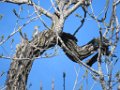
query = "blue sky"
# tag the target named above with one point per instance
(47, 69)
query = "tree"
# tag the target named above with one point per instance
(28, 50)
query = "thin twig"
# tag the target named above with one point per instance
(76, 80)
(82, 22)
(20, 28)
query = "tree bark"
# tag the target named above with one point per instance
(27, 51)
(23, 59)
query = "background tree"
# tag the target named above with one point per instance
(101, 48)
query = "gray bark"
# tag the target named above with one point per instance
(28, 50)
(26, 53)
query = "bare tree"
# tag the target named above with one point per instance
(28, 50)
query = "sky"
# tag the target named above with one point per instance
(46, 70)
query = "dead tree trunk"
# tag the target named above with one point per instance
(27, 51)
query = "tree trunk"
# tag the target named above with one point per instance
(23, 59)
(28, 50)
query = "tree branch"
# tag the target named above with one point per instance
(29, 2)
(42, 10)
(17, 1)
(19, 69)
(72, 9)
